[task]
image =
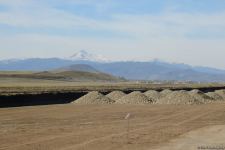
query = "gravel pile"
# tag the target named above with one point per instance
(115, 95)
(134, 98)
(165, 92)
(154, 95)
(215, 96)
(200, 96)
(178, 98)
(94, 98)
(221, 93)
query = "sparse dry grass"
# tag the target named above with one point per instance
(33, 86)
(11, 84)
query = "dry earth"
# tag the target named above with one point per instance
(211, 137)
(103, 127)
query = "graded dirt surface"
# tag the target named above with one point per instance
(103, 127)
(212, 137)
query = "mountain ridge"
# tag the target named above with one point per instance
(132, 70)
(77, 67)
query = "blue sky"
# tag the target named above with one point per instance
(187, 31)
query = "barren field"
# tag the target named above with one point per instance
(103, 127)
(10, 84)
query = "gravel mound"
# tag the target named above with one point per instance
(200, 96)
(115, 95)
(134, 98)
(221, 93)
(165, 92)
(94, 98)
(154, 95)
(214, 96)
(178, 98)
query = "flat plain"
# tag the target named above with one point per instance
(18, 82)
(103, 127)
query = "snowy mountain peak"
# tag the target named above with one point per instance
(81, 55)
(84, 55)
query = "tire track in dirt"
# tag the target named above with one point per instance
(177, 114)
(44, 139)
(153, 124)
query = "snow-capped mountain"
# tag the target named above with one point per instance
(84, 55)
(137, 70)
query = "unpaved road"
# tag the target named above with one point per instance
(103, 127)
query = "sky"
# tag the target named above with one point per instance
(182, 31)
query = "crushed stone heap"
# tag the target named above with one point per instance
(115, 95)
(134, 98)
(221, 93)
(165, 92)
(178, 98)
(215, 96)
(154, 95)
(200, 96)
(94, 98)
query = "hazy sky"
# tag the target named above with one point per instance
(187, 31)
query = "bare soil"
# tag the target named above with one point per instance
(210, 137)
(103, 127)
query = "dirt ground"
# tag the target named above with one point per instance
(210, 137)
(103, 127)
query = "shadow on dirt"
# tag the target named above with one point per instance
(38, 99)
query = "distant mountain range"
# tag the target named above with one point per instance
(73, 73)
(77, 67)
(152, 70)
